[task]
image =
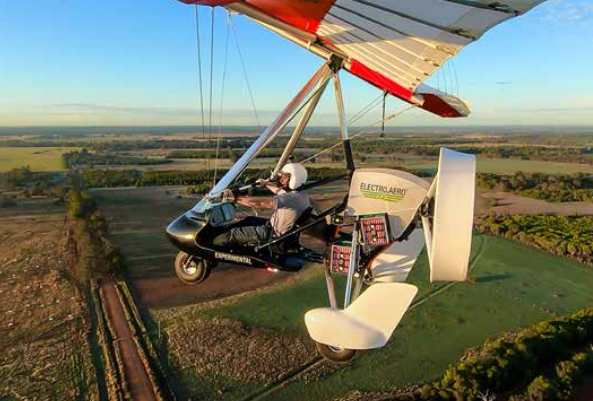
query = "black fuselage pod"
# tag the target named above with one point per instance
(194, 231)
(183, 230)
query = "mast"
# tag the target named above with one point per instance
(343, 124)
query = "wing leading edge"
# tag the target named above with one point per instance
(394, 45)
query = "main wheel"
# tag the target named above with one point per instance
(337, 355)
(191, 269)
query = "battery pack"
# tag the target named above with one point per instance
(375, 230)
(340, 259)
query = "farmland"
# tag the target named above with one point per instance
(137, 219)
(509, 287)
(269, 320)
(242, 329)
(397, 149)
(37, 158)
(45, 322)
(510, 166)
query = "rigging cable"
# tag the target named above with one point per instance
(211, 74)
(244, 71)
(200, 69)
(456, 81)
(444, 70)
(438, 77)
(383, 115)
(226, 53)
(361, 132)
(362, 112)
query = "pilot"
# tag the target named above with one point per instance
(288, 204)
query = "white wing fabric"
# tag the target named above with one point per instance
(392, 44)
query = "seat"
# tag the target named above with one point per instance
(292, 242)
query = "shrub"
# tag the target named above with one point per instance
(7, 202)
(503, 364)
(542, 389)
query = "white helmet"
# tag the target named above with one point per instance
(298, 174)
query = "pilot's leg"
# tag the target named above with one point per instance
(244, 235)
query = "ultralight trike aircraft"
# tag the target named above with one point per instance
(391, 214)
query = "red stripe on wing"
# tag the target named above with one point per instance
(432, 102)
(302, 14)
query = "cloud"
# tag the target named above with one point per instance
(567, 11)
(97, 113)
(134, 111)
(101, 108)
(567, 109)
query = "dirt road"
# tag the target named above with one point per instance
(508, 203)
(224, 281)
(137, 379)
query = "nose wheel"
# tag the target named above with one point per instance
(334, 354)
(191, 269)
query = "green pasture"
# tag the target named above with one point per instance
(137, 220)
(509, 287)
(426, 164)
(38, 159)
(509, 166)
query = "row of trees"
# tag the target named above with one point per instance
(559, 384)
(122, 178)
(87, 237)
(550, 187)
(29, 183)
(570, 236)
(506, 365)
(85, 158)
(583, 155)
(228, 153)
(20, 177)
(221, 153)
(392, 142)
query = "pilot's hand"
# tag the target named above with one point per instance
(261, 182)
(228, 195)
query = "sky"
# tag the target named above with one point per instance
(130, 62)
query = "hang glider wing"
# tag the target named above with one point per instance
(394, 45)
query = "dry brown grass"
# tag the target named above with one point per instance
(44, 352)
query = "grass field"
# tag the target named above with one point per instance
(426, 164)
(39, 159)
(138, 219)
(510, 287)
(510, 166)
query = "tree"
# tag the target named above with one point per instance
(232, 155)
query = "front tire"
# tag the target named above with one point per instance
(337, 355)
(191, 269)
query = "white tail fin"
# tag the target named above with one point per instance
(367, 323)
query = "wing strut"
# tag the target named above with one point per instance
(320, 78)
(343, 124)
(300, 127)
